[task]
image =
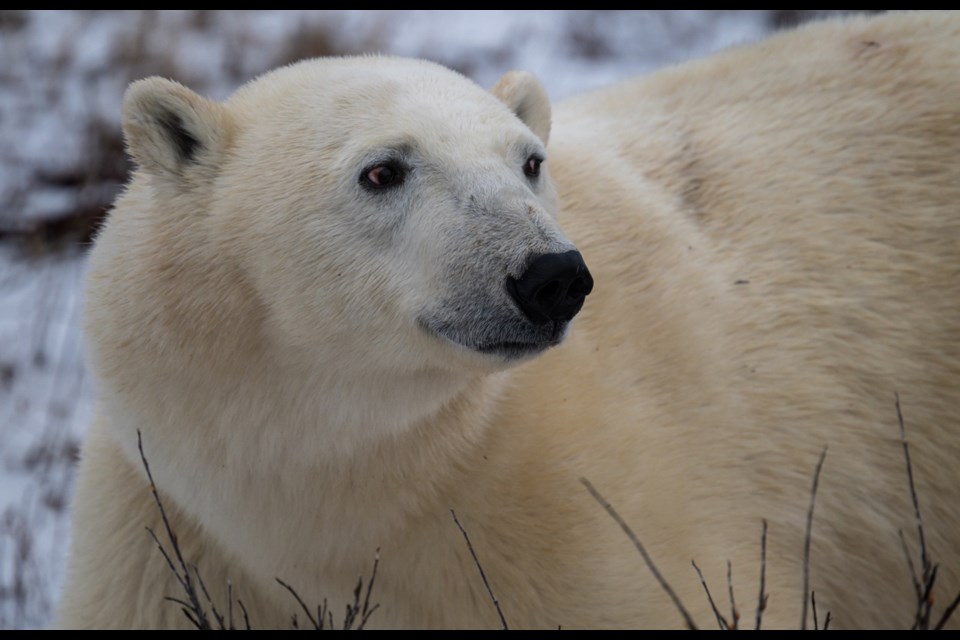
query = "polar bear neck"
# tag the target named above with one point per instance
(280, 412)
(353, 412)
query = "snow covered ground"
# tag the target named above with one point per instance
(61, 82)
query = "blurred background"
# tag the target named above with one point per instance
(62, 162)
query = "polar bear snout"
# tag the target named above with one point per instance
(552, 288)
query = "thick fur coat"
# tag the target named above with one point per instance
(316, 360)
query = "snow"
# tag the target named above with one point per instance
(44, 406)
(61, 84)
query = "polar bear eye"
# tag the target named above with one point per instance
(382, 176)
(532, 167)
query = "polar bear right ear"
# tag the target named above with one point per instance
(173, 133)
(526, 97)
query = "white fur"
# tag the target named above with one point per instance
(772, 233)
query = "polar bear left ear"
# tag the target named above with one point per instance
(173, 133)
(527, 98)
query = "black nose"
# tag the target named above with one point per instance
(552, 288)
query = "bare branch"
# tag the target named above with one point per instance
(366, 616)
(183, 575)
(213, 609)
(367, 610)
(166, 557)
(734, 614)
(185, 607)
(913, 572)
(947, 613)
(303, 605)
(182, 603)
(813, 605)
(724, 625)
(351, 612)
(807, 538)
(922, 620)
(923, 587)
(230, 626)
(192, 607)
(354, 610)
(762, 599)
(643, 552)
(925, 560)
(191, 618)
(483, 576)
(246, 618)
(826, 622)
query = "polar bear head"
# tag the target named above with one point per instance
(388, 213)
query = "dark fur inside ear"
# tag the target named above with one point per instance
(174, 134)
(527, 98)
(183, 141)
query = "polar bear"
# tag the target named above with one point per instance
(363, 292)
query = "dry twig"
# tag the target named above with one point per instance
(762, 599)
(319, 621)
(924, 585)
(192, 608)
(357, 614)
(807, 538)
(643, 552)
(947, 613)
(918, 590)
(483, 575)
(813, 605)
(724, 625)
(199, 615)
(734, 614)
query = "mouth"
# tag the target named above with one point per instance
(511, 342)
(513, 350)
